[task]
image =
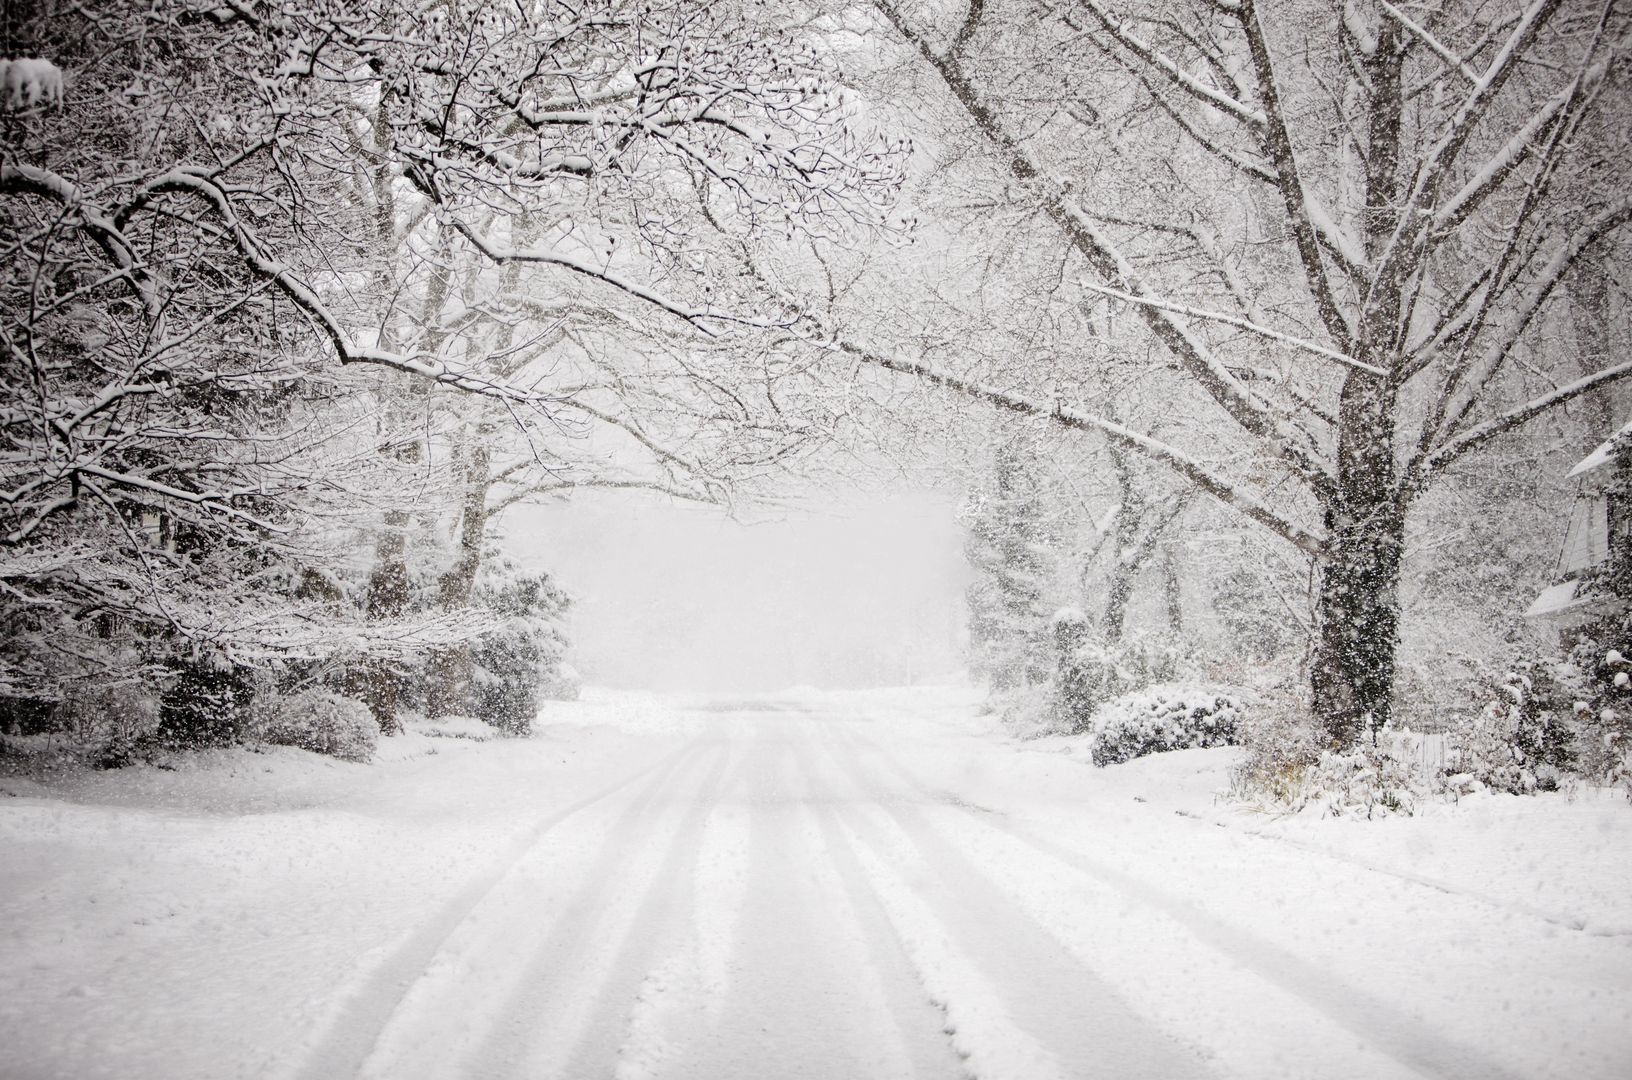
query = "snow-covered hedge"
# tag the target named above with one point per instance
(112, 725)
(1163, 718)
(321, 721)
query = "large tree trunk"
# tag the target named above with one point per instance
(1358, 607)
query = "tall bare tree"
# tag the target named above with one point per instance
(1343, 222)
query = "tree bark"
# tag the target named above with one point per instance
(1590, 309)
(1358, 605)
(449, 673)
(1172, 594)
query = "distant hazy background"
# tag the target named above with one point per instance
(865, 591)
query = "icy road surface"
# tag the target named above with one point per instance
(816, 887)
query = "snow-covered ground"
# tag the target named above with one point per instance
(811, 885)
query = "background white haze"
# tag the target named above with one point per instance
(865, 590)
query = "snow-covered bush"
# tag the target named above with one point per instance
(1089, 671)
(1161, 719)
(206, 702)
(1282, 746)
(112, 726)
(1287, 769)
(321, 721)
(29, 81)
(1369, 781)
(1521, 741)
(561, 683)
(510, 665)
(1602, 707)
(1027, 712)
(1603, 711)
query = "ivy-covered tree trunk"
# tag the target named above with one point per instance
(1358, 604)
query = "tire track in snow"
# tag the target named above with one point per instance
(356, 1027)
(1020, 1006)
(1384, 1026)
(569, 1011)
(808, 996)
(914, 1003)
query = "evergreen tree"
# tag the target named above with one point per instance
(1010, 547)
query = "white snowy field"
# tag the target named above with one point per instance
(811, 885)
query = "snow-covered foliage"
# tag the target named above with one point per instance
(206, 702)
(1286, 768)
(1092, 672)
(1317, 346)
(1602, 713)
(546, 208)
(1011, 550)
(29, 81)
(512, 664)
(1163, 718)
(321, 721)
(1522, 740)
(561, 682)
(100, 726)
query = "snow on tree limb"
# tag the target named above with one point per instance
(1244, 324)
(1454, 62)
(1249, 410)
(1173, 458)
(1183, 80)
(1440, 441)
(1295, 196)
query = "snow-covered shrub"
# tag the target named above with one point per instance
(1369, 781)
(1282, 745)
(1027, 712)
(110, 725)
(561, 683)
(1089, 671)
(1157, 720)
(29, 81)
(1287, 768)
(1520, 742)
(1076, 693)
(1602, 658)
(206, 703)
(321, 721)
(510, 665)
(1603, 711)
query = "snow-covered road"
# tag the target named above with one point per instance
(815, 887)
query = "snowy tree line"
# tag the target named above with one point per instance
(251, 247)
(292, 286)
